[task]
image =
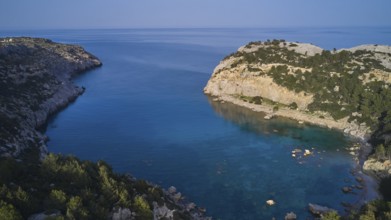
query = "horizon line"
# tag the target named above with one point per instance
(195, 27)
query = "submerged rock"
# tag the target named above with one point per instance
(347, 189)
(290, 216)
(318, 209)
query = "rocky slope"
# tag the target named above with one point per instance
(346, 89)
(35, 82)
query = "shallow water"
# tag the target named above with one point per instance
(144, 112)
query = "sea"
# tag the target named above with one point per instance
(145, 113)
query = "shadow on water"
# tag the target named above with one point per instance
(309, 179)
(253, 121)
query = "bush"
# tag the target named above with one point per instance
(57, 199)
(8, 212)
(380, 152)
(142, 207)
(75, 209)
(293, 105)
(331, 216)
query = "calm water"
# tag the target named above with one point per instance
(144, 112)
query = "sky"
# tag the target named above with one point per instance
(80, 14)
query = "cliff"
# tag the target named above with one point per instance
(346, 89)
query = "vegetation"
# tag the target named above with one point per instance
(342, 83)
(345, 85)
(32, 71)
(73, 188)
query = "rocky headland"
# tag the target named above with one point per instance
(346, 89)
(36, 82)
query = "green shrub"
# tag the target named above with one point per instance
(57, 199)
(380, 151)
(142, 207)
(8, 212)
(293, 105)
(331, 216)
(75, 209)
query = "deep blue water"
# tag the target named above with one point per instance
(144, 112)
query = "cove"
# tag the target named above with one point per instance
(144, 113)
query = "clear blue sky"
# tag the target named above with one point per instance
(43, 14)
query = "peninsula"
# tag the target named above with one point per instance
(36, 82)
(346, 89)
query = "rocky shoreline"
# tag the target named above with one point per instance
(35, 83)
(35, 79)
(356, 131)
(311, 85)
(272, 77)
(359, 153)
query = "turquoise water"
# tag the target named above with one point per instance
(144, 112)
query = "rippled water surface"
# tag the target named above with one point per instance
(144, 112)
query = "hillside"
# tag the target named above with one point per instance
(36, 82)
(346, 89)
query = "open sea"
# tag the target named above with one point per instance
(144, 112)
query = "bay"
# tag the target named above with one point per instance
(144, 112)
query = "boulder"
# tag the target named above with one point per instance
(162, 212)
(290, 216)
(270, 202)
(172, 190)
(378, 167)
(121, 214)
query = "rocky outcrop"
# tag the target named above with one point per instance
(122, 214)
(381, 168)
(380, 52)
(35, 82)
(239, 81)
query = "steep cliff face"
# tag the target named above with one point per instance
(241, 81)
(347, 89)
(35, 81)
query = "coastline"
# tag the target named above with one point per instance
(36, 76)
(300, 116)
(369, 182)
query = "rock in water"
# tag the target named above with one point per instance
(318, 209)
(270, 202)
(346, 189)
(290, 216)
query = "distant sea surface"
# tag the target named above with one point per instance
(144, 112)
